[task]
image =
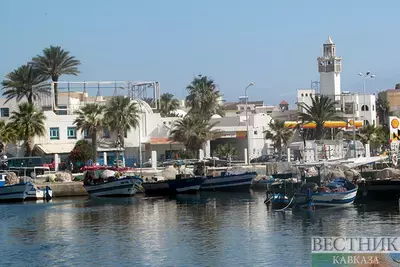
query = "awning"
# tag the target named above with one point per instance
(162, 141)
(67, 148)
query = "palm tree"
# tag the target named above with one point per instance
(193, 131)
(203, 97)
(382, 107)
(168, 104)
(321, 110)
(90, 119)
(279, 134)
(8, 134)
(25, 82)
(55, 62)
(367, 133)
(121, 114)
(227, 151)
(28, 123)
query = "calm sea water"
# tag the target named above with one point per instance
(213, 229)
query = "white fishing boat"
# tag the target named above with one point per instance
(16, 192)
(338, 193)
(38, 194)
(109, 185)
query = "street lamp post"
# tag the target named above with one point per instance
(247, 123)
(365, 76)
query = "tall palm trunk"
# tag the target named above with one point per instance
(94, 146)
(55, 79)
(319, 131)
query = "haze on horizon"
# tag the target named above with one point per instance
(274, 44)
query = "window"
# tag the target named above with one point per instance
(55, 133)
(255, 132)
(62, 110)
(126, 133)
(302, 95)
(5, 112)
(306, 94)
(85, 134)
(364, 108)
(310, 95)
(106, 133)
(373, 107)
(71, 132)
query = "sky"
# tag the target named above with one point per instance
(274, 44)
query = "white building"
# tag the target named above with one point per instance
(352, 105)
(329, 67)
(152, 134)
(304, 97)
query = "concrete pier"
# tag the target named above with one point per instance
(71, 189)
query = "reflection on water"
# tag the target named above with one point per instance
(208, 229)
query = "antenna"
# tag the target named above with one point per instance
(315, 86)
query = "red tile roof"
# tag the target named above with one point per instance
(284, 103)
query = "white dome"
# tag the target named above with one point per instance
(143, 105)
(216, 116)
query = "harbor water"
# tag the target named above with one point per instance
(212, 229)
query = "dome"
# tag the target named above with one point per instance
(216, 116)
(143, 105)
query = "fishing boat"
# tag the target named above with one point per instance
(110, 184)
(38, 194)
(179, 185)
(229, 181)
(221, 178)
(282, 190)
(15, 192)
(338, 193)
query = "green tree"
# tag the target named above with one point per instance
(90, 119)
(321, 110)
(82, 152)
(367, 133)
(8, 135)
(121, 114)
(382, 108)
(193, 131)
(226, 151)
(203, 98)
(279, 134)
(168, 104)
(25, 82)
(28, 123)
(55, 62)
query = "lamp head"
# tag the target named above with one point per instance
(373, 76)
(368, 73)
(360, 74)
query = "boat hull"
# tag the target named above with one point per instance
(232, 182)
(175, 186)
(14, 193)
(328, 200)
(39, 194)
(121, 187)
